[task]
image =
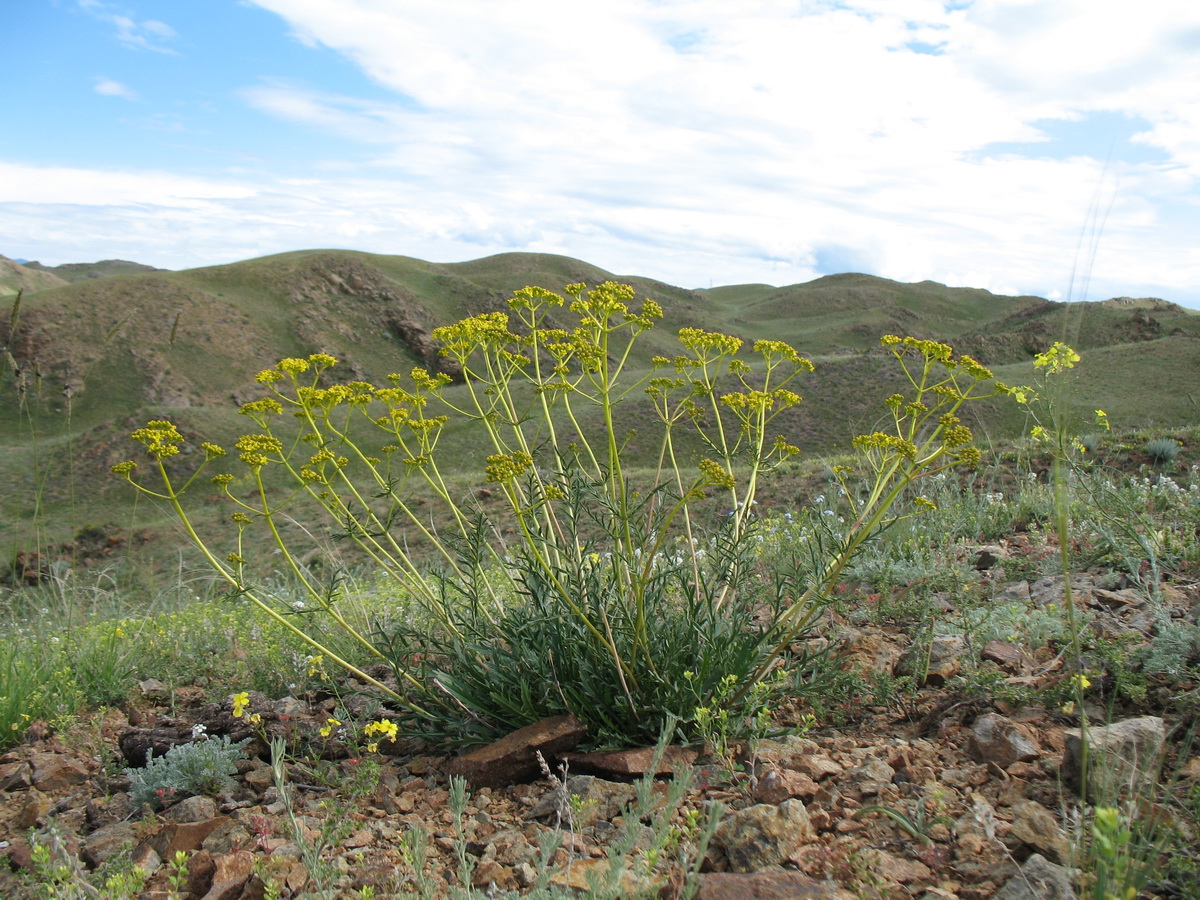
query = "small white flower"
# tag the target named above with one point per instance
(198, 731)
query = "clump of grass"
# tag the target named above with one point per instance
(1162, 451)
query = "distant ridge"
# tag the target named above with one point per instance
(105, 268)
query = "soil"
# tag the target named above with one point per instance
(933, 792)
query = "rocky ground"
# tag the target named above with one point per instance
(935, 793)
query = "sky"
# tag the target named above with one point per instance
(1047, 147)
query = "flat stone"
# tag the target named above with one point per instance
(591, 797)
(760, 836)
(511, 759)
(1008, 657)
(230, 874)
(1035, 826)
(185, 836)
(580, 874)
(35, 810)
(630, 763)
(933, 666)
(997, 739)
(895, 869)
(144, 858)
(1039, 879)
(191, 809)
(765, 886)
(54, 771)
(816, 766)
(1121, 758)
(778, 785)
(105, 843)
(16, 776)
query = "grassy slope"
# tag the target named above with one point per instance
(100, 357)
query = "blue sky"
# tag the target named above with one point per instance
(694, 141)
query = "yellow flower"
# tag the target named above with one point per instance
(1081, 681)
(255, 718)
(240, 702)
(1068, 707)
(330, 724)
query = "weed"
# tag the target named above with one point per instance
(203, 766)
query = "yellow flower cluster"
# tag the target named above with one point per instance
(160, 438)
(378, 730)
(502, 467)
(715, 474)
(253, 449)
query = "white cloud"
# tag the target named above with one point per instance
(110, 88)
(148, 34)
(698, 139)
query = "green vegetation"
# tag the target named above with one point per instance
(482, 543)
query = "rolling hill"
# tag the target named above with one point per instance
(88, 361)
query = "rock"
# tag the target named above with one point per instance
(185, 836)
(1008, 657)
(490, 873)
(511, 759)
(227, 837)
(1038, 879)
(230, 875)
(1121, 760)
(815, 767)
(864, 650)
(144, 858)
(780, 885)
(192, 809)
(988, 555)
(580, 874)
(994, 738)
(35, 810)
(598, 798)
(942, 660)
(1036, 827)
(105, 843)
(778, 785)
(289, 707)
(16, 776)
(54, 771)
(760, 836)
(136, 742)
(894, 869)
(629, 763)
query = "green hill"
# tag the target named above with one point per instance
(89, 361)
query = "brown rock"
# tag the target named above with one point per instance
(765, 886)
(144, 858)
(778, 785)
(894, 868)
(489, 872)
(16, 776)
(629, 763)
(191, 809)
(511, 759)
(1122, 758)
(35, 810)
(185, 836)
(54, 771)
(1008, 657)
(136, 742)
(1036, 827)
(760, 836)
(105, 843)
(1001, 741)
(816, 766)
(230, 875)
(201, 867)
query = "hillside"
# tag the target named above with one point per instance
(15, 277)
(89, 361)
